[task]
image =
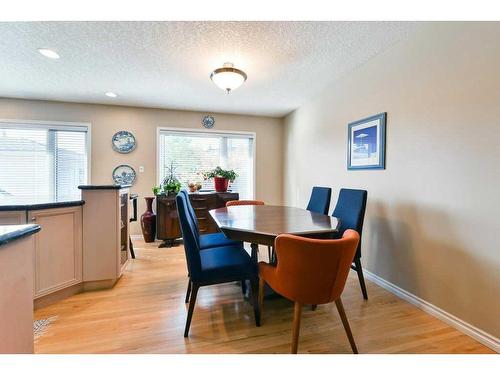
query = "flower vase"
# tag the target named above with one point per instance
(148, 221)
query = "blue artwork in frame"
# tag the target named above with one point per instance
(366, 143)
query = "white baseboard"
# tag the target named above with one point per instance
(474, 332)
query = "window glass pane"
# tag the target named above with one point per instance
(41, 164)
(71, 164)
(191, 154)
(240, 158)
(25, 170)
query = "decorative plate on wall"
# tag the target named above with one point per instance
(123, 142)
(208, 122)
(124, 175)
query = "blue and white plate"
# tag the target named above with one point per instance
(123, 142)
(208, 122)
(124, 175)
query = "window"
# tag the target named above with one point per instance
(192, 153)
(42, 162)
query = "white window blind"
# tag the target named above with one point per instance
(41, 163)
(192, 153)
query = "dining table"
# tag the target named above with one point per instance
(261, 224)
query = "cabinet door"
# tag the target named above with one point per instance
(12, 217)
(58, 249)
(167, 221)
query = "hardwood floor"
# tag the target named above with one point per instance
(145, 313)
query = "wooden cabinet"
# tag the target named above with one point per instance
(16, 298)
(58, 249)
(12, 217)
(105, 235)
(167, 221)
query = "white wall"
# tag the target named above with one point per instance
(433, 218)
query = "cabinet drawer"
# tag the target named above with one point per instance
(202, 202)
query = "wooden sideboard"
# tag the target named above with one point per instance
(167, 221)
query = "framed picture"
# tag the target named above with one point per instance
(366, 143)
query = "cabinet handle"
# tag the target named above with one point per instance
(33, 219)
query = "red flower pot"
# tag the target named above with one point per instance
(221, 184)
(148, 221)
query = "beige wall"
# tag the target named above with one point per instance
(432, 224)
(142, 122)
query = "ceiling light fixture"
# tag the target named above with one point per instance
(111, 94)
(48, 53)
(228, 78)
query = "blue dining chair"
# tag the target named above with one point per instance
(350, 210)
(320, 200)
(215, 265)
(206, 240)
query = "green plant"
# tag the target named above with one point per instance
(170, 184)
(219, 172)
(156, 190)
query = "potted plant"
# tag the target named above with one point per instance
(221, 178)
(170, 184)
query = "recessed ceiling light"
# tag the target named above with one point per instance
(48, 53)
(111, 94)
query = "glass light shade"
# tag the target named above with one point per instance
(228, 78)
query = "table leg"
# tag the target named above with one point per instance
(255, 252)
(254, 255)
(268, 292)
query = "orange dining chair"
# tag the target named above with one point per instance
(310, 271)
(250, 202)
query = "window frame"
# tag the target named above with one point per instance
(55, 125)
(252, 135)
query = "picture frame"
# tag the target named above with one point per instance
(366, 143)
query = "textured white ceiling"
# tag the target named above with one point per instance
(167, 64)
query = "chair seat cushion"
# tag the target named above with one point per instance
(225, 263)
(216, 240)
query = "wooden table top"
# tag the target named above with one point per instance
(262, 224)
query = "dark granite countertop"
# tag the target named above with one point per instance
(102, 187)
(40, 205)
(9, 233)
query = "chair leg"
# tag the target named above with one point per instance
(262, 284)
(192, 301)
(297, 310)
(254, 283)
(314, 307)
(131, 247)
(345, 322)
(359, 271)
(188, 292)
(244, 287)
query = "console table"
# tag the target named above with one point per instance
(167, 221)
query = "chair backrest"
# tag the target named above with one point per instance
(189, 235)
(350, 209)
(313, 271)
(244, 203)
(191, 212)
(320, 200)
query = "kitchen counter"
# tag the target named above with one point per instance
(70, 256)
(17, 277)
(103, 187)
(41, 205)
(10, 233)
